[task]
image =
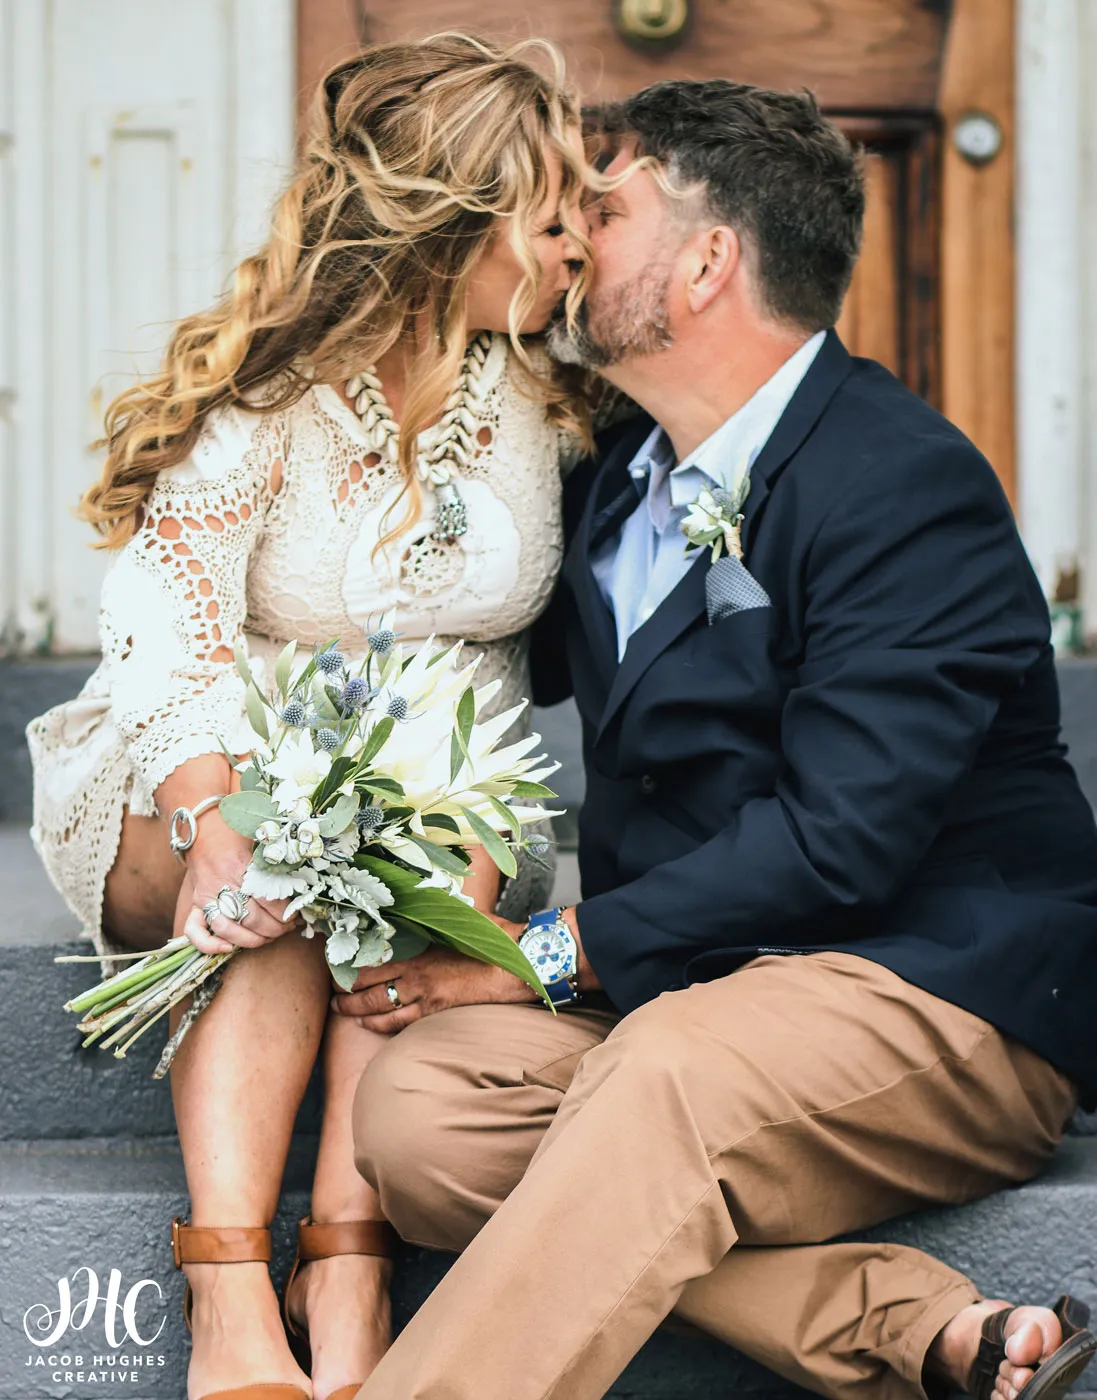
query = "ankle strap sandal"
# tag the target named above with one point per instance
(227, 1244)
(314, 1241)
(1056, 1373)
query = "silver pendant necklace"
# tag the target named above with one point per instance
(453, 442)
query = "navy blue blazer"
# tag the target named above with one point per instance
(872, 763)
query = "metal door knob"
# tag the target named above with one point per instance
(652, 24)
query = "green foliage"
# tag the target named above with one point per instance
(245, 812)
(339, 815)
(492, 842)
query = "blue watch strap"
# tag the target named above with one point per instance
(562, 992)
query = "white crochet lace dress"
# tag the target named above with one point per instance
(220, 552)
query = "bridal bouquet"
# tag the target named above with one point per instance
(364, 791)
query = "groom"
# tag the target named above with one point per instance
(837, 954)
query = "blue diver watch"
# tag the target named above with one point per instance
(549, 945)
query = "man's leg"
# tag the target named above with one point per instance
(453, 1109)
(798, 1099)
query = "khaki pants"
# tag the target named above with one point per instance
(600, 1173)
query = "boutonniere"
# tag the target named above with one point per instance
(715, 519)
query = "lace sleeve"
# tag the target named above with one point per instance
(175, 599)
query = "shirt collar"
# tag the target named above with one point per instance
(727, 454)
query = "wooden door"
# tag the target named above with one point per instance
(932, 297)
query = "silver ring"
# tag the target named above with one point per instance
(210, 912)
(232, 903)
(393, 996)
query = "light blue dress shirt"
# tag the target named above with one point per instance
(638, 568)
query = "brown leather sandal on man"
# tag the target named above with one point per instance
(323, 1242)
(241, 1244)
(1056, 1374)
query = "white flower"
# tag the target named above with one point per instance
(299, 771)
(714, 519)
(439, 880)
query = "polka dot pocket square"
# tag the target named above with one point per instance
(730, 588)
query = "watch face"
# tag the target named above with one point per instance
(550, 952)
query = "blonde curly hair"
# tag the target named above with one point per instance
(418, 150)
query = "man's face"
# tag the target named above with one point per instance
(626, 313)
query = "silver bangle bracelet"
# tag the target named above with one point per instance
(183, 825)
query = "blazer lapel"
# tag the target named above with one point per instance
(612, 498)
(682, 605)
(814, 392)
(686, 601)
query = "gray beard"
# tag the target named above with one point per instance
(632, 322)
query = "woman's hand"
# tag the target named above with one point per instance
(219, 857)
(432, 982)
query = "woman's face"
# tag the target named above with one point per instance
(498, 274)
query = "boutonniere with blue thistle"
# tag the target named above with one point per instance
(715, 519)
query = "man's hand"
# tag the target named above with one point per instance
(432, 982)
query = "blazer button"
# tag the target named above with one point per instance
(648, 784)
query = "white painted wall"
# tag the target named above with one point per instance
(1057, 290)
(140, 146)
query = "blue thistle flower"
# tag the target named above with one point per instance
(354, 696)
(370, 818)
(331, 662)
(538, 845)
(399, 708)
(327, 739)
(382, 641)
(294, 714)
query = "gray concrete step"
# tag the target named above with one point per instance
(105, 1204)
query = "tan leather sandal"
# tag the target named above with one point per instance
(323, 1242)
(231, 1244)
(1056, 1374)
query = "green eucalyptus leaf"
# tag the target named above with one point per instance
(240, 656)
(251, 780)
(245, 812)
(376, 742)
(514, 826)
(338, 774)
(443, 821)
(522, 788)
(456, 757)
(492, 842)
(344, 975)
(339, 815)
(257, 711)
(466, 716)
(441, 857)
(381, 787)
(283, 667)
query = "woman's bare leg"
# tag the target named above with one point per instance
(237, 1082)
(344, 1300)
(143, 885)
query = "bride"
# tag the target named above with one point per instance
(356, 428)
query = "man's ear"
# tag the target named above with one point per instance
(717, 253)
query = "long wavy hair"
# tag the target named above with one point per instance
(417, 151)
